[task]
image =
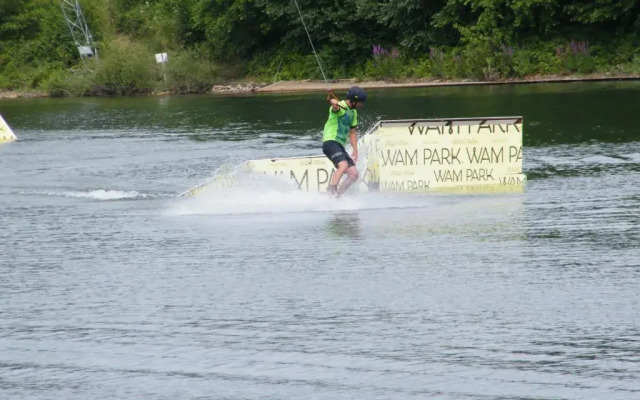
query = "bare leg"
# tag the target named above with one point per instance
(352, 176)
(342, 168)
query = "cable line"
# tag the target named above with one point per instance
(310, 41)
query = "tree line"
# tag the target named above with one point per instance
(211, 41)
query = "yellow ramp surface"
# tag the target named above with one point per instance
(311, 174)
(475, 155)
(6, 133)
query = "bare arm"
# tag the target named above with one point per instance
(353, 138)
(334, 105)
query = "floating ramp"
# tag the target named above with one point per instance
(6, 134)
(456, 154)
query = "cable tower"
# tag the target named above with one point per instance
(79, 28)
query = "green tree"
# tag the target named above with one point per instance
(34, 40)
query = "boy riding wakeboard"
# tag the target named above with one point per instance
(343, 123)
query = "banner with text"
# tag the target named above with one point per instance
(310, 174)
(453, 154)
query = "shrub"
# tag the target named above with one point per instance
(125, 68)
(575, 57)
(188, 72)
(384, 64)
(72, 82)
(436, 62)
(632, 67)
(455, 66)
(284, 66)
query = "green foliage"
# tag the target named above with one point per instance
(125, 68)
(294, 66)
(188, 72)
(624, 13)
(232, 28)
(72, 82)
(575, 57)
(436, 64)
(632, 67)
(213, 40)
(33, 41)
(385, 64)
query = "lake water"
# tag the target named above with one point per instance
(111, 287)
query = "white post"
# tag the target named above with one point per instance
(163, 58)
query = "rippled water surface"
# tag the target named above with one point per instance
(112, 287)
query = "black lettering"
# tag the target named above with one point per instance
(305, 178)
(388, 159)
(392, 185)
(411, 157)
(322, 176)
(485, 154)
(515, 153)
(498, 157)
(455, 156)
(397, 157)
(442, 156)
(489, 127)
(424, 130)
(418, 184)
(512, 180)
(447, 175)
(479, 175)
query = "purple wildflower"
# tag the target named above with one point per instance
(579, 48)
(379, 51)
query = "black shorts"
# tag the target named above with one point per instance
(336, 153)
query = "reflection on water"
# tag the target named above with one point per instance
(345, 224)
